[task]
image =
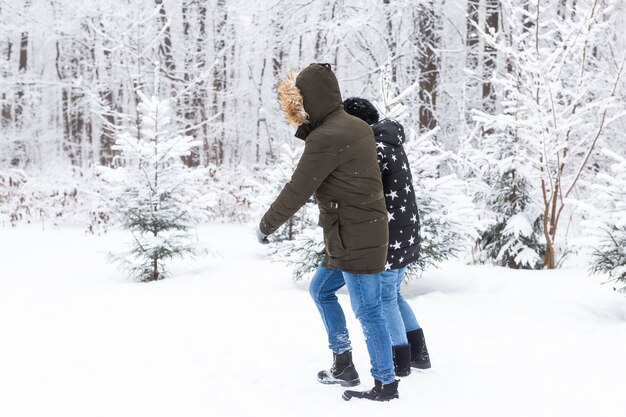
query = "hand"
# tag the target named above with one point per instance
(261, 237)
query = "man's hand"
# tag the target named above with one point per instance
(261, 237)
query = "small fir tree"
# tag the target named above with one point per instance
(610, 255)
(513, 234)
(156, 197)
(514, 237)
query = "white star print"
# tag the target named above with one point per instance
(411, 240)
(390, 217)
(396, 245)
(393, 157)
(393, 195)
(401, 259)
(387, 266)
(385, 166)
(380, 145)
(402, 209)
(414, 218)
(404, 167)
(407, 188)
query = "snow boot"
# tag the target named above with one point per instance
(342, 372)
(402, 360)
(419, 352)
(380, 392)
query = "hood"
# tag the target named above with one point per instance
(291, 100)
(389, 131)
(309, 97)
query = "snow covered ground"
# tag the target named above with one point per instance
(231, 335)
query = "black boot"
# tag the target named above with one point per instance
(342, 372)
(402, 360)
(380, 392)
(419, 352)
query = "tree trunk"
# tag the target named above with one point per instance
(165, 48)
(428, 62)
(219, 79)
(23, 66)
(391, 43)
(193, 104)
(5, 113)
(472, 38)
(492, 26)
(107, 135)
(278, 52)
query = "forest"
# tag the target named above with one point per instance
(515, 113)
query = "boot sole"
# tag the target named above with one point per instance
(351, 383)
(348, 395)
(420, 365)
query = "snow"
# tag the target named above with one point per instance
(231, 335)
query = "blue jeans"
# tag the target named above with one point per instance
(398, 313)
(365, 298)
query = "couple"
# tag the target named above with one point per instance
(363, 186)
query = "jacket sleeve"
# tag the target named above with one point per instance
(317, 162)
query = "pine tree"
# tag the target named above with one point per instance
(610, 255)
(513, 236)
(156, 198)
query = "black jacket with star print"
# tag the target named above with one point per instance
(404, 240)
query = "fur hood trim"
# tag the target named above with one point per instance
(291, 100)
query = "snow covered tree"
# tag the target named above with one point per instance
(156, 197)
(299, 242)
(513, 235)
(610, 255)
(559, 100)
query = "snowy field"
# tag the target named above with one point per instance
(231, 335)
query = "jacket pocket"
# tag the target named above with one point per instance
(329, 221)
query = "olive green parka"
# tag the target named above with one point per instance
(340, 167)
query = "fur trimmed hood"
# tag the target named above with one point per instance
(291, 100)
(309, 96)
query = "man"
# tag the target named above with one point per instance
(409, 346)
(339, 166)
